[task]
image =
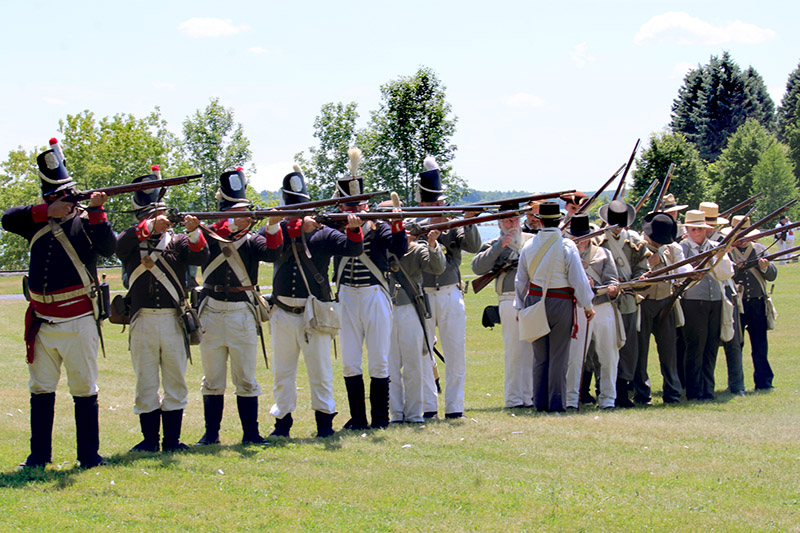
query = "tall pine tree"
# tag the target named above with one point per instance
(787, 110)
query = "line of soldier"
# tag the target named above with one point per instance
(611, 337)
(394, 291)
(383, 275)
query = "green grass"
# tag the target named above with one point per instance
(731, 464)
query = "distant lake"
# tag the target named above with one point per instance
(488, 231)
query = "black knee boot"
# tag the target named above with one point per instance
(213, 405)
(248, 415)
(150, 424)
(87, 430)
(623, 400)
(42, 413)
(379, 402)
(282, 426)
(324, 423)
(355, 397)
(172, 420)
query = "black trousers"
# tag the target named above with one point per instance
(754, 320)
(701, 337)
(662, 327)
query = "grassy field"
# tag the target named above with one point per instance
(732, 464)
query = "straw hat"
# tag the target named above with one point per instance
(696, 219)
(712, 214)
(671, 205)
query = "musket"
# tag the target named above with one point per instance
(641, 283)
(585, 205)
(450, 224)
(518, 200)
(744, 265)
(664, 187)
(483, 280)
(331, 201)
(383, 215)
(775, 213)
(447, 208)
(177, 217)
(625, 174)
(646, 195)
(687, 261)
(114, 190)
(735, 208)
(766, 233)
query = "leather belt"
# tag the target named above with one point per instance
(59, 296)
(288, 308)
(565, 293)
(228, 289)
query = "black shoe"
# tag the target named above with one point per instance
(172, 421)
(671, 400)
(454, 415)
(87, 431)
(379, 402)
(248, 415)
(282, 426)
(151, 426)
(430, 414)
(324, 424)
(355, 398)
(213, 405)
(640, 400)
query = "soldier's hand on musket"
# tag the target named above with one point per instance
(310, 224)
(242, 222)
(353, 222)
(589, 313)
(613, 291)
(190, 223)
(432, 236)
(696, 276)
(97, 199)
(271, 221)
(763, 263)
(59, 209)
(160, 224)
(471, 214)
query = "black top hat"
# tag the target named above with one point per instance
(53, 170)
(148, 200)
(351, 184)
(294, 188)
(430, 182)
(232, 192)
(579, 225)
(617, 213)
(660, 227)
(549, 210)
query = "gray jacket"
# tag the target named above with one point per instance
(493, 255)
(418, 259)
(453, 241)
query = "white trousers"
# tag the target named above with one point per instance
(602, 329)
(405, 365)
(518, 357)
(73, 343)
(288, 339)
(230, 332)
(157, 344)
(366, 318)
(785, 245)
(449, 315)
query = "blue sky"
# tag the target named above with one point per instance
(548, 95)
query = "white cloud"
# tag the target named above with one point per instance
(163, 85)
(524, 101)
(679, 70)
(681, 28)
(580, 55)
(53, 100)
(210, 27)
(258, 50)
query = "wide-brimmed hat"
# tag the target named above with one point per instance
(548, 211)
(670, 204)
(579, 225)
(576, 197)
(735, 222)
(617, 213)
(696, 219)
(712, 214)
(660, 227)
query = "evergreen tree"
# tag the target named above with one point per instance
(792, 139)
(715, 99)
(787, 111)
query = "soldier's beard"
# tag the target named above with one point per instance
(516, 239)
